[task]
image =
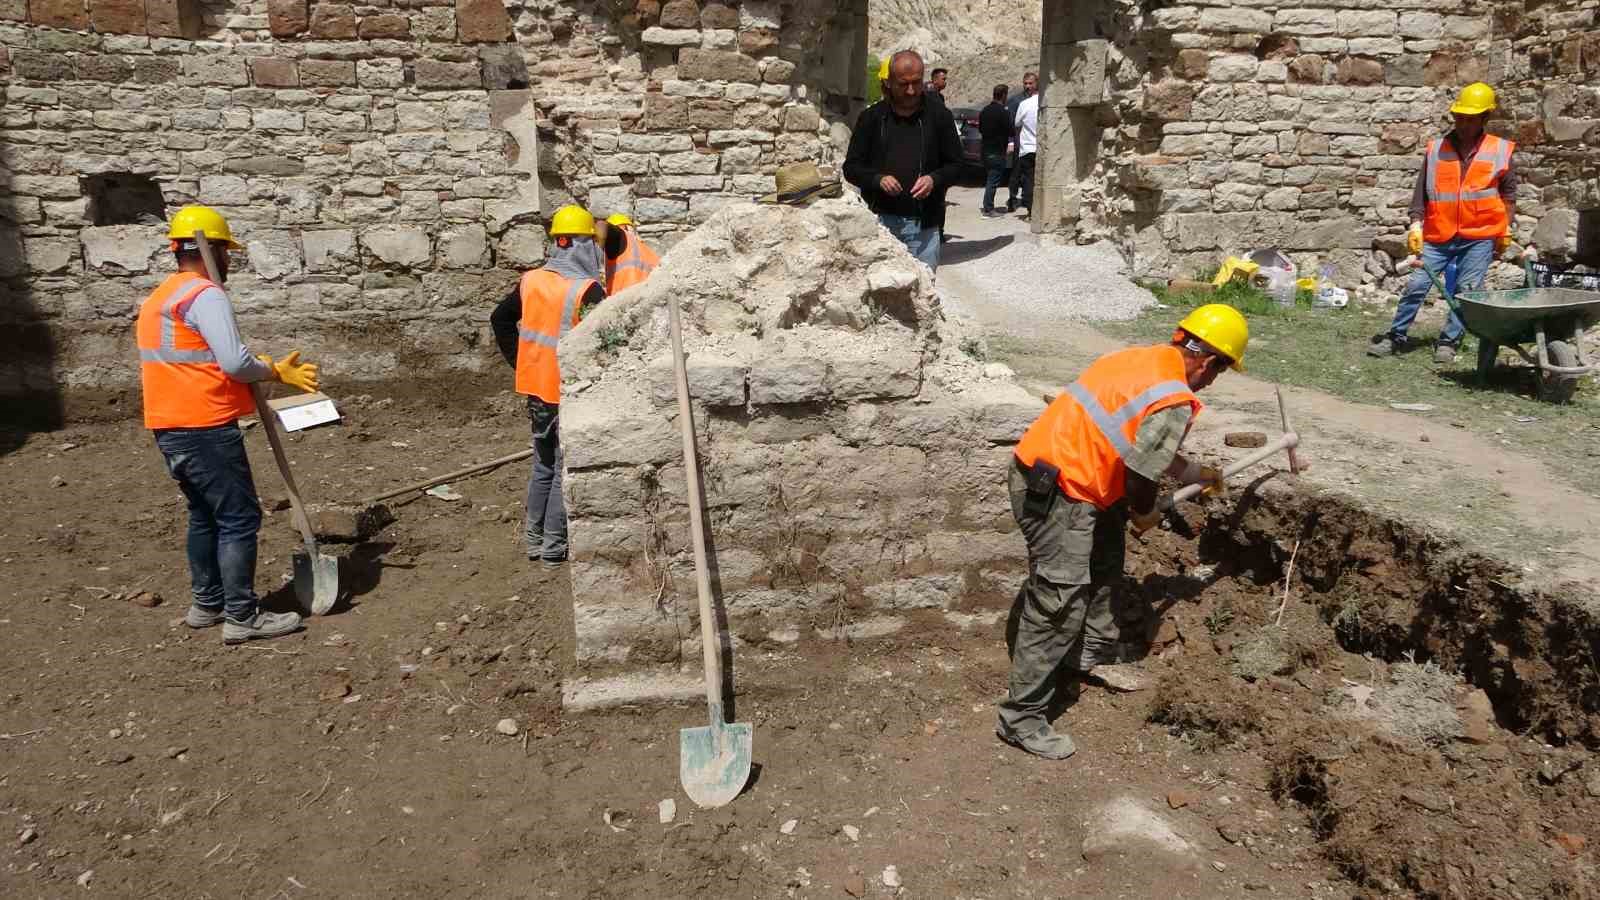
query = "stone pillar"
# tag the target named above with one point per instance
(1072, 80)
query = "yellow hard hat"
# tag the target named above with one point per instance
(186, 221)
(572, 219)
(1222, 327)
(883, 70)
(619, 219)
(1475, 99)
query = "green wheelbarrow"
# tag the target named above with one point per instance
(1551, 319)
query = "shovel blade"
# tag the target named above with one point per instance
(714, 762)
(316, 582)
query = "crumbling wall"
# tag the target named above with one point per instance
(854, 456)
(385, 165)
(1193, 129)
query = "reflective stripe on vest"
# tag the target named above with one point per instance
(633, 266)
(1088, 431)
(1467, 201)
(545, 293)
(184, 387)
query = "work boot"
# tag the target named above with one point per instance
(1386, 345)
(264, 625)
(1044, 743)
(1444, 352)
(554, 562)
(1124, 679)
(200, 617)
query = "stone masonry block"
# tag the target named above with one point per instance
(399, 245)
(464, 247)
(117, 16)
(690, 163)
(388, 25)
(593, 440)
(286, 18)
(220, 69)
(59, 14)
(1306, 21)
(272, 72)
(333, 21)
(1233, 67)
(680, 14)
(327, 72)
(788, 379)
(328, 251)
(431, 73)
(1236, 19)
(671, 37)
(713, 380)
(717, 65)
(879, 377)
(804, 118)
(1367, 22)
(13, 11)
(1081, 74)
(482, 21)
(120, 248)
(718, 15)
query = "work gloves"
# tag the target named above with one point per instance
(1414, 238)
(1210, 476)
(293, 372)
(1500, 245)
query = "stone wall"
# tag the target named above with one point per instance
(386, 164)
(854, 457)
(1201, 128)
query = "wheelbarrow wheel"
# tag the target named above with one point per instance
(1555, 388)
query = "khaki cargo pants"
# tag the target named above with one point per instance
(1064, 617)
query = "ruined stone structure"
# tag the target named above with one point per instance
(1197, 128)
(853, 455)
(385, 164)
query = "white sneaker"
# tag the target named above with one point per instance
(1125, 678)
(199, 617)
(265, 625)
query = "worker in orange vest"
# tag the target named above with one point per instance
(629, 260)
(528, 326)
(1091, 460)
(1462, 211)
(195, 371)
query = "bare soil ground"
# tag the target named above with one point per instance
(360, 758)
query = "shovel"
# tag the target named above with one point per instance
(316, 576)
(714, 761)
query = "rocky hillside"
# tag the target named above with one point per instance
(981, 42)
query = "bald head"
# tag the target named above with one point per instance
(904, 87)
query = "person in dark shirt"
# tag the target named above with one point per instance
(937, 81)
(994, 128)
(903, 156)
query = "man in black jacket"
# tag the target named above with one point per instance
(903, 156)
(994, 127)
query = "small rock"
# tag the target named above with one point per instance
(408, 810)
(335, 686)
(114, 733)
(1477, 717)
(891, 877)
(1246, 439)
(1167, 633)
(507, 726)
(175, 751)
(1424, 438)
(68, 446)
(146, 599)
(85, 878)
(27, 837)
(855, 886)
(1593, 785)
(170, 817)
(1229, 832)
(58, 481)
(117, 759)
(1178, 799)
(1572, 843)
(453, 709)
(930, 728)
(667, 810)
(851, 832)
(788, 827)
(443, 492)
(1219, 866)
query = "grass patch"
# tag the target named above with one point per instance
(1325, 349)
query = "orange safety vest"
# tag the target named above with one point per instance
(1466, 204)
(549, 310)
(1087, 430)
(633, 266)
(183, 385)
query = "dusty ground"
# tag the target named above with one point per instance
(361, 758)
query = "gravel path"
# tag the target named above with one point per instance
(997, 272)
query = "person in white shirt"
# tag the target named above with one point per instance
(1027, 123)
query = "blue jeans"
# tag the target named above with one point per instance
(994, 165)
(922, 242)
(213, 472)
(545, 527)
(1472, 260)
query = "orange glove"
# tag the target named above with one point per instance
(1501, 243)
(1414, 238)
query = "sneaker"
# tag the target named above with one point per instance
(200, 617)
(1444, 352)
(264, 625)
(1123, 679)
(554, 562)
(1044, 743)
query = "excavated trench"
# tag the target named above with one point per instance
(1433, 719)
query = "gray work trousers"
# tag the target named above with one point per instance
(1063, 619)
(545, 526)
